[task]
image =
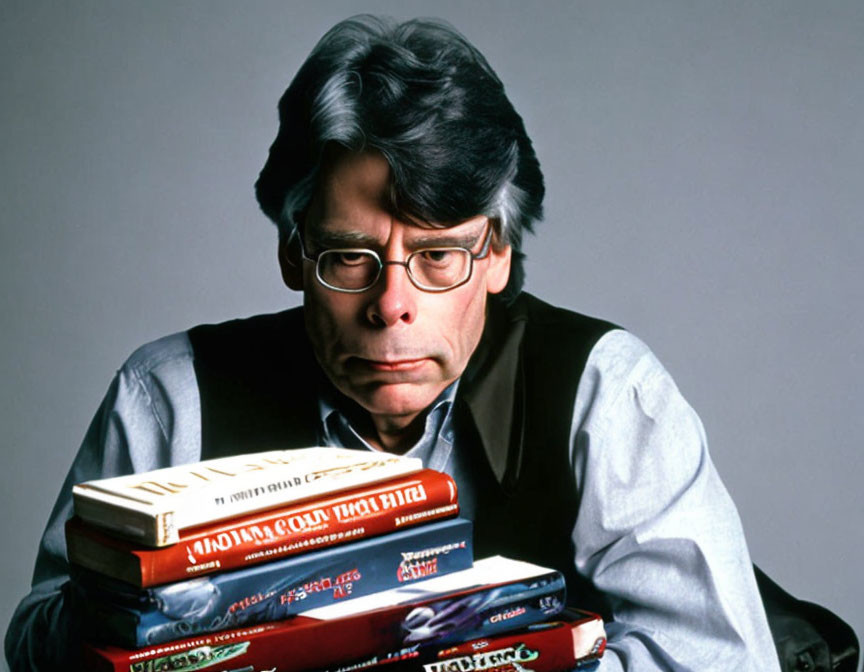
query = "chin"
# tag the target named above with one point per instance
(400, 399)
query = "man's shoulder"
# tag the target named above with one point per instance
(540, 314)
(615, 357)
(253, 332)
(178, 349)
(168, 351)
(555, 333)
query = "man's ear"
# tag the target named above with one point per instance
(291, 264)
(498, 272)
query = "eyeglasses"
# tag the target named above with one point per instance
(432, 269)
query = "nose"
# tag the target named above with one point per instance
(392, 299)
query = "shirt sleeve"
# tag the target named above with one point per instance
(657, 531)
(148, 419)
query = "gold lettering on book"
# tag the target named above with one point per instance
(216, 471)
(335, 472)
(157, 488)
(195, 475)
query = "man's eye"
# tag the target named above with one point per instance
(351, 258)
(438, 257)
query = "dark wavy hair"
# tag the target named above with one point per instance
(425, 98)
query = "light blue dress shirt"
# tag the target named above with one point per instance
(656, 530)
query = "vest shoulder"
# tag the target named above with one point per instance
(179, 348)
(237, 342)
(261, 325)
(539, 314)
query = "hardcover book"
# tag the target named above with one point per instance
(136, 617)
(152, 507)
(576, 640)
(497, 594)
(255, 538)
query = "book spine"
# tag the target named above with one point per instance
(146, 527)
(361, 513)
(309, 643)
(274, 590)
(160, 509)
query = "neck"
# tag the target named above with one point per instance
(395, 434)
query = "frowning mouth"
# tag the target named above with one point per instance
(395, 365)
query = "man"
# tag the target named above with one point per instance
(401, 181)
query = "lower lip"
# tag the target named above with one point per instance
(403, 365)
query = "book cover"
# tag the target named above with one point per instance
(359, 513)
(444, 610)
(152, 507)
(136, 617)
(574, 641)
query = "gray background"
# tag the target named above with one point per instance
(704, 169)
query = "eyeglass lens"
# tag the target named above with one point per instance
(440, 268)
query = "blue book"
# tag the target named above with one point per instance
(124, 615)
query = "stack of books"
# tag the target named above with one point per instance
(311, 559)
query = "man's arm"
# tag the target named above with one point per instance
(657, 531)
(149, 419)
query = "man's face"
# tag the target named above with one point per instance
(392, 348)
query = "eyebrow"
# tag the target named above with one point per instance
(337, 239)
(466, 240)
(358, 239)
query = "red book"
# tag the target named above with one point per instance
(575, 639)
(366, 511)
(496, 595)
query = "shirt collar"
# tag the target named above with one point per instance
(342, 420)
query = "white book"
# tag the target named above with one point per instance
(152, 507)
(495, 569)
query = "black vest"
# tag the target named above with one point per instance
(257, 382)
